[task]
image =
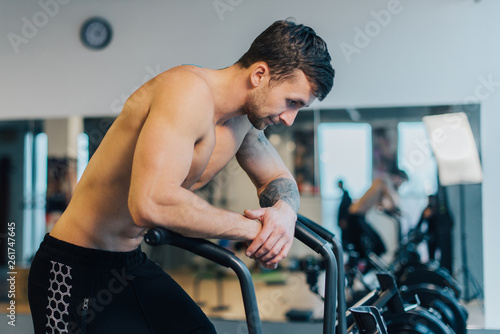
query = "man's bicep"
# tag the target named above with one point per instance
(163, 154)
(260, 160)
(175, 122)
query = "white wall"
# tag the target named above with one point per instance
(54, 75)
(427, 52)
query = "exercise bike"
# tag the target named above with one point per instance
(397, 305)
(364, 319)
(226, 258)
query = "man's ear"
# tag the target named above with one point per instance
(260, 73)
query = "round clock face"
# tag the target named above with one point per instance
(96, 33)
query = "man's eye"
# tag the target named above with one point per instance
(292, 103)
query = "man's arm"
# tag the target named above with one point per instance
(378, 195)
(282, 188)
(177, 124)
(372, 197)
(278, 197)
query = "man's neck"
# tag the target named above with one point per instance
(230, 89)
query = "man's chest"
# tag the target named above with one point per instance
(216, 150)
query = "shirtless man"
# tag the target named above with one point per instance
(382, 194)
(174, 134)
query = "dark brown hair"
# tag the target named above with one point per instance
(285, 47)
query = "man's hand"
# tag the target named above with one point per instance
(275, 239)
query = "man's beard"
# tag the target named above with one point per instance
(254, 103)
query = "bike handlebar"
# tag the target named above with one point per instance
(339, 255)
(222, 256)
(209, 250)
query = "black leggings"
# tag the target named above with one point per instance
(72, 289)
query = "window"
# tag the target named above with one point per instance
(345, 153)
(35, 190)
(416, 158)
(82, 156)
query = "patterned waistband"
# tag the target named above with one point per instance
(70, 254)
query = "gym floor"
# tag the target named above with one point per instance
(276, 295)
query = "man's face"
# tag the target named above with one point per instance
(280, 103)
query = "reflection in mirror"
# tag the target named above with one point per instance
(23, 156)
(41, 162)
(398, 137)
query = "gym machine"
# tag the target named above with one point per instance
(381, 311)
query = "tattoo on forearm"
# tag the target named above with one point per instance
(280, 189)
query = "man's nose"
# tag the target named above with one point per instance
(288, 117)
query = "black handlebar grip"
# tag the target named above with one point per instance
(309, 238)
(319, 230)
(157, 236)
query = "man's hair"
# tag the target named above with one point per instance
(285, 47)
(394, 170)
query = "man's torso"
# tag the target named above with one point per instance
(98, 215)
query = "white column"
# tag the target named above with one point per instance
(490, 120)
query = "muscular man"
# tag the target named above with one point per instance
(174, 134)
(383, 194)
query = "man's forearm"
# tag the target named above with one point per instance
(188, 214)
(280, 189)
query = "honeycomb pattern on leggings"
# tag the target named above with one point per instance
(59, 295)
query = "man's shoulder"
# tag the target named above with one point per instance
(183, 96)
(184, 81)
(184, 74)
